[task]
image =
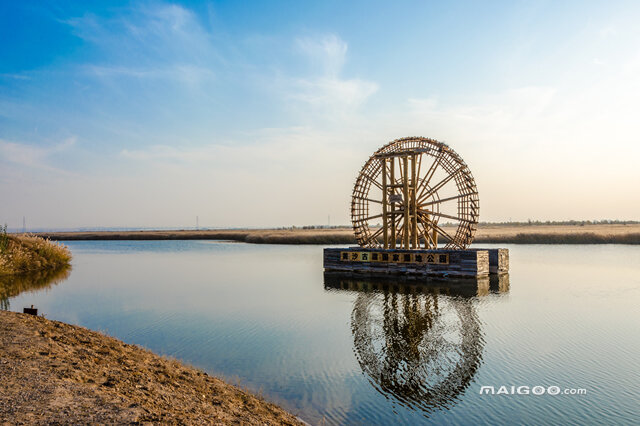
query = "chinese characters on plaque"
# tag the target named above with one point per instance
(368, 256)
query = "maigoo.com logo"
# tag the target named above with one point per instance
(530, 390)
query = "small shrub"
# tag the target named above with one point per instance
(4, 239)
(27, 253)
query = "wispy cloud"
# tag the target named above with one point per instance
(280, 167)
(188, 74)
(327, 52)
(268, 148)
(158, 41)
(173, 102)
(15, 76)
(333, 94)
(31, 156)
(521, 108)
(326, 89)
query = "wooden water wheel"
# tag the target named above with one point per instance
(415, 193)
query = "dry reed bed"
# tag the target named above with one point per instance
(559, 238)
(20, 254)
(502, 234)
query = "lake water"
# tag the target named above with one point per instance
(340, 351)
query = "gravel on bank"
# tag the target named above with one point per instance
(54, 372)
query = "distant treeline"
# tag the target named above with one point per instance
(315, 227)
(344, 236)
(560, 238)
(507, 223)
(519, 238)
(562, 222)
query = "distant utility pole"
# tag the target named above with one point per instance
(329, 221)
(24, 225)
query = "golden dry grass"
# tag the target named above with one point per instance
(513, 234)
(560, 234)
(20, 254)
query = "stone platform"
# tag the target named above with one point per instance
(444, 263)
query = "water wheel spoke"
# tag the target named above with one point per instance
(427, 178)
(369, 199)
(455, 197)
(441, 231)
(446, 216)
(372, 180)
(374, 235)
(440, 184)
(364, 219)
(426, 232)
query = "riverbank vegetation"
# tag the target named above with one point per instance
(20, 254)
(615, 232)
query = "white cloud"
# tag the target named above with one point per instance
(269, 148)
(190, 75)
(326, 90)
(32, 156)
(333, 94)
(561, 142)
(157, 41)
(328, 52)
(608, 31)
(508, 112)
(15, 76)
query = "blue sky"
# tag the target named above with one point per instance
(262, 113)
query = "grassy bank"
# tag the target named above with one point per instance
(487, 233)
(20, 254)
(256, 236)
(54, 372)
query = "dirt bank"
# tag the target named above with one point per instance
(520, 234)
(58, 373)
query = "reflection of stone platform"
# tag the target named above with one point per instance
(464, 287)
(459, 263)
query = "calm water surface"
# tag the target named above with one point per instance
(340, 351)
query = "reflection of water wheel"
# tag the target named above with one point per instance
(406, 188)
(420, 348)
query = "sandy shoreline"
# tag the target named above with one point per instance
(521, 234)
(54, 372)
